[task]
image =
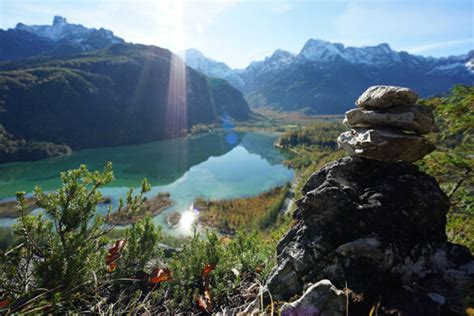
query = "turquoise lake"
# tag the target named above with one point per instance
(215, 165)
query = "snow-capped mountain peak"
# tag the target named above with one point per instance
(319, 58)
(316, 49)
(62, 30)
(282, 54)
(323, 51)
(195, 59)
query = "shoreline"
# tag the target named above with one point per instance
(152, 207)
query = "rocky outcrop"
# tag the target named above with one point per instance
(388, 126)
(379, 228)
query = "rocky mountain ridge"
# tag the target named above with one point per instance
(59, 39)
(309, 80)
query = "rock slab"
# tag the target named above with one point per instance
(380, 227)
(384, 145)
(416, 118)
(384, 97)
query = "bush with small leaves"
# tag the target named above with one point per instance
(64, 246)
(141, 248)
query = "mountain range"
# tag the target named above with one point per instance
(68, 86)
(326, 78)
(59, 39)
(100, 92)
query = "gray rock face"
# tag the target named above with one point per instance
(384, 97)
(380, 227)
(384, 145)
(322, 298)
(416, 118)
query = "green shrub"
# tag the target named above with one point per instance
(66, 244)
(142, 240)
(187, 267)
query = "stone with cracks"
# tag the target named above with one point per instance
(384, 97)
(384, 145)
(416, 118)
(379, 228)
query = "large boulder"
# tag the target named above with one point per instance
(416, 118)
(378, 228)
(384, 144)
(384, 97)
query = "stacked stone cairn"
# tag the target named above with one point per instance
(388, 126)
(374, 223)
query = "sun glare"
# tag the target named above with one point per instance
(188, 218)
(176, 111)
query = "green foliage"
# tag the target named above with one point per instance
(118, 95)
(273, 211)
(142, 246)
(58, 257)
(230, 215)
(452, 163)
(16, 149)
(199, 129)
(7, 238)
(66, 244)
(247, 254)
(322, 135)
(187, 267)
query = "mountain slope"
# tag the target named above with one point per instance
(196, 60)
(59, 39)
(325, 77)
(123, 94)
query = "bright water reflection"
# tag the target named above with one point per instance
(188, 168)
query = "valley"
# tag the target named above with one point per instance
(153, 179)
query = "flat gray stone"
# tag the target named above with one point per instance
(384, 97)
(322, 298)
(384, 145)
(416, 118)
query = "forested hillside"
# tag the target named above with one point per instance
(123, 94)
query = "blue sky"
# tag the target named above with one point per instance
(238, 32)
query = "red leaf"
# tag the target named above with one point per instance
(4, 303)
(111, 267)
(208, 268)
(114, 254)
(160, 275)
(110, 258)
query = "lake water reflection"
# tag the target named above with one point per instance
(207, 166)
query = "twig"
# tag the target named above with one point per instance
(13, 249)
(458, 184)
(18, 308)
